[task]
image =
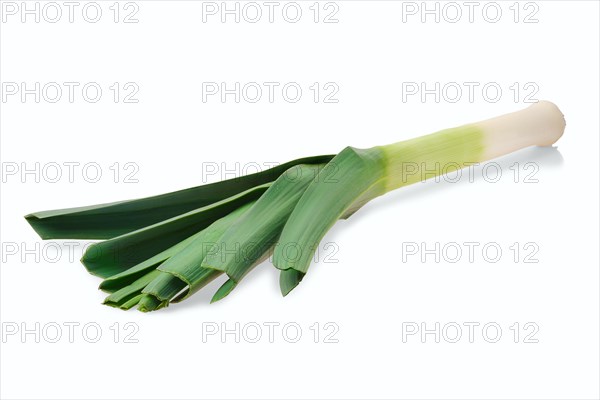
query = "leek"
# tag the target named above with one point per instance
(162, 249)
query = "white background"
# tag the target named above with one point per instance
(171, 135)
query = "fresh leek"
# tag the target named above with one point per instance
(162, 249)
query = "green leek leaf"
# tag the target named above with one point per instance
(255, 233)
(105, 221)
(116, 255)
